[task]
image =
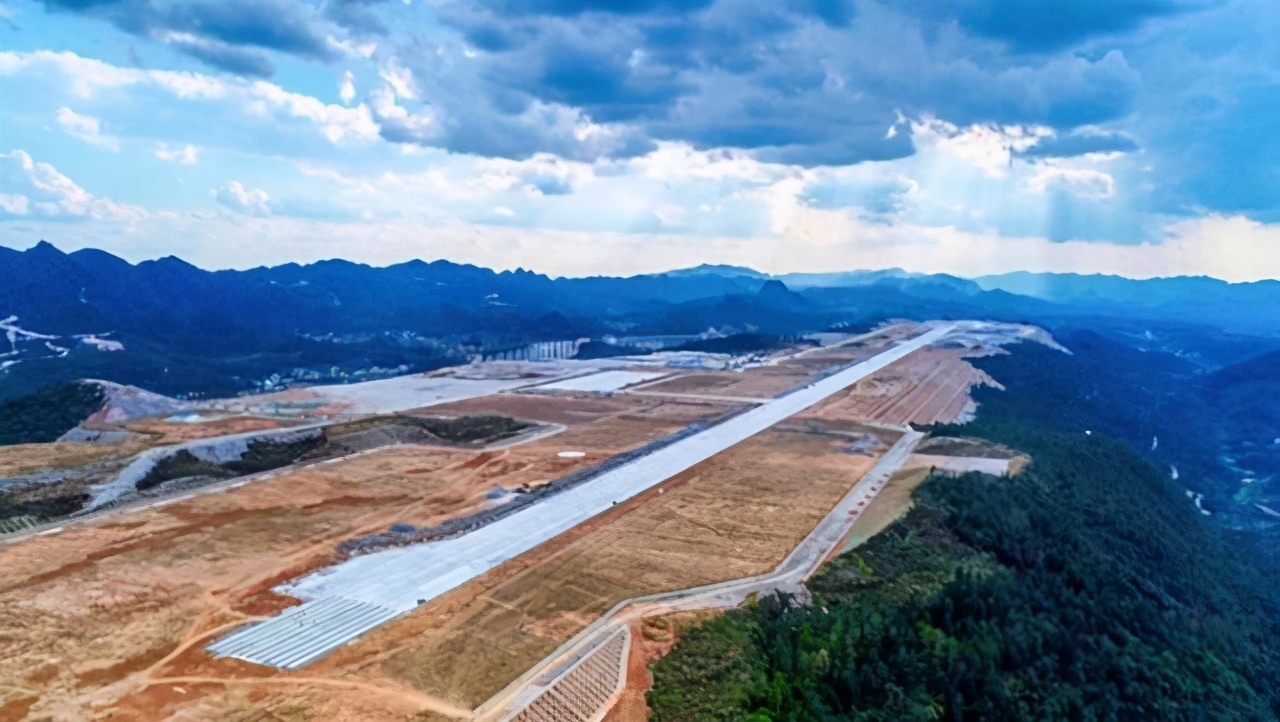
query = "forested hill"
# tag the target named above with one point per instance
(1213, 433)
(1086, 588)
(48, 413)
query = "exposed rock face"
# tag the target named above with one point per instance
(126, 403)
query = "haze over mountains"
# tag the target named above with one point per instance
(187, 330)
(1245, 307)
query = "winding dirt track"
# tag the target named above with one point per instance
(410, 696)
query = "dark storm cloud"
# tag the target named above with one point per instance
(222, 32)
(602, 82)
(538, 130)
(274, 24)
(487, 30)
(851, 148)
(499, 123)
(578, 7)
(807, 81)
(1037, 25)
(241, 61)
(733, 37)
(357, 15)
(1065, 92)
(1228, 160)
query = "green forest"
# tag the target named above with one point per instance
(48, 413)
(1086, 588)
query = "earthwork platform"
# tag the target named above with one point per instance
(344, 601)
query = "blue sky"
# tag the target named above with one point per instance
(576, 137)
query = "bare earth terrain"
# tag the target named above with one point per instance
(22, 459)
(763, 383)
(173, 432)
(651, 639)
(930, 386)
(108, 619)
(85, 611)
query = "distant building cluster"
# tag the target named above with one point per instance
(275, 382)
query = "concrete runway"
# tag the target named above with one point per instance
(344, 601)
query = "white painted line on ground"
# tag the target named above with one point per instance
(603, 381)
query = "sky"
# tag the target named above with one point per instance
(584, 137)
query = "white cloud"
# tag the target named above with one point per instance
(417, 126)
(679, 161)
(670, 215)
(782, 200)
(988, 147)
(533, 174)
(250, 201)
(86, 128)
(752, 197)
(87, 77)
(400, 79)
(58, 195)
(1235, 248)
(466, 207)
(1081, 181)
(352, 49)
(14, 204)
(1232, 248)
(185, 155)
(347, 87)
(336, 123)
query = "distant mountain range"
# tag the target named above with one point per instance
(175, 328)
(1243, 307)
